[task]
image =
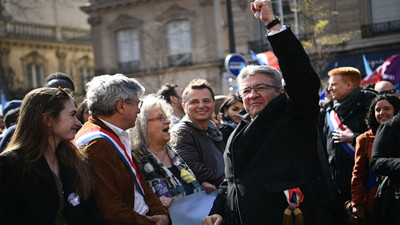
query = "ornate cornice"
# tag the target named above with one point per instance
(94, 20)
(124, 21)
(175, 12)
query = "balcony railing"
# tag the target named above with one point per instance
(21, 30)
(377, 29)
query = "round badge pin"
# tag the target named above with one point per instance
(74, 199)
(176, 161)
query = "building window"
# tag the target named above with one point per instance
(86, 76)
(179, 43)
(128, 50)
(35, 75)
(385, 11)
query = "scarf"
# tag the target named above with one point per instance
(160, 178)
(343, 106)
(229, 123)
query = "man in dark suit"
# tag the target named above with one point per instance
(341, 121)
(270, 158)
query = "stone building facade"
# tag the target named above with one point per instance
(166, 41)
(179, 40)
(41, 39)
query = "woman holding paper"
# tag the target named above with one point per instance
(164, 170)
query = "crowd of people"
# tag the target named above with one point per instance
(274, 152)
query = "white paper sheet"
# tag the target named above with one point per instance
(191, 209)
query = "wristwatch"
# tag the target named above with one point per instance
(273, 23)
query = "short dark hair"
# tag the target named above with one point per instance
(166, 91)
(58, 76)
(197, 84)
(370, 119)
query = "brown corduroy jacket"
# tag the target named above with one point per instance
(115, 193)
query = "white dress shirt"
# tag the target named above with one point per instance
(140, 205)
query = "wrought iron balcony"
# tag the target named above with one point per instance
(377, 29)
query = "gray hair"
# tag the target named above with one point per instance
(250, 70)
(103, 92)
(139, 134)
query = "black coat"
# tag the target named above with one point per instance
(341, 162)
(28, 194)
(385, 160)
(277, 150)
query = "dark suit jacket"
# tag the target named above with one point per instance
(29, 195)
(115, 193)
(277, 150)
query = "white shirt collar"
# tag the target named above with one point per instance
(122, 135)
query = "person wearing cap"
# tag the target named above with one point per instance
(5, 137)
(342, 120)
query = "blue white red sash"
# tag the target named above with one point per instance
(96, 133)
(335, 123)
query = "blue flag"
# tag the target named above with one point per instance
(368, 69)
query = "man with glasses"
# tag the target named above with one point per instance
(122, 195)
(342, 120)
(385, 87)
(270, 156)
(197, 139)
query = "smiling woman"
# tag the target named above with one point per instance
(164, 169)
(43, 166)
(363, 183)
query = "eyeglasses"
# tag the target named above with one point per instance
(389, 92)
(160, 118)
(259, 88)
(131, 101)
(60, 91)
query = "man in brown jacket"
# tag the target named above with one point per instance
(122, 195)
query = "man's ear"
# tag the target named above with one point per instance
(120, 106)
(173, 99)
(282, 91)
(349, 85)
(47, 120)
(183, 107)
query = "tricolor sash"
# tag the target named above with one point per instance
(96, 133)
(335, 123)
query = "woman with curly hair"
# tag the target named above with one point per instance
(163, 168)
(363, 183)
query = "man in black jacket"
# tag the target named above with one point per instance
(342, 120)
(273, 151)
(197, 139)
